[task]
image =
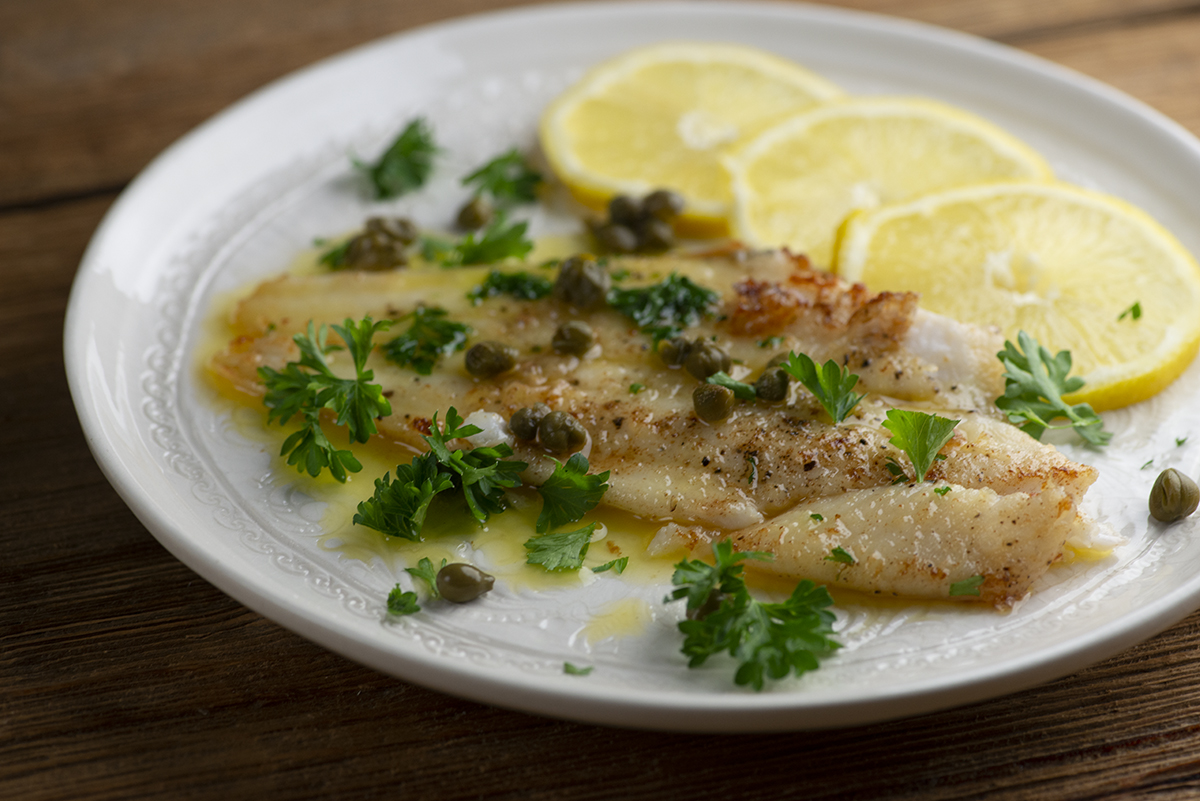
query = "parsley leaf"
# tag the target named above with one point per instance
(407, 162)
(482, 474)
(635, 388)
(840, 554)
(664, 309)
(427, 573)
(398, 508)
(306, 386)
(968, 586)
(429, 337)
(564, 550)
(400, 602)
(521, 285)
(507, 178)
(769, 640)
(941, 491)
(1034, 385)
(741, 391)
(919, 435)
(571, 670)
(1179, 441)
(832, 385)
(817, 517)
(771, 342)
(569, 493)
(499, 241)
(617, 566)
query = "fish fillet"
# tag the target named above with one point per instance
(760, 475)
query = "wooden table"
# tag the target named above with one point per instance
(123, 675)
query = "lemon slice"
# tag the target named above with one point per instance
(795, 184)
(662, 117)
(1065, 264)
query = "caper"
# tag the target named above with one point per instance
(573, 337)
(705, 359)
(1173, 497)
(616, 238)
(778, 359)
(374, 251)
(400, 229)
(673, 351)
(663, 204)
(654, 234)
(624, 210)
(559, 432)
(525, 421)
(474, 214)
(772, 385)
(713, 402)
(582, 283)
(489, 359)
(460, 582)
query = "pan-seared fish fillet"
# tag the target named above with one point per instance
(759, 475)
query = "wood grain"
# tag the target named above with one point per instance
(123, 675)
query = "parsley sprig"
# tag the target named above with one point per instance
(569, 493)
(920, 436)
(832, 384)
(1034, 383)
(563, 550)
(508, 178)
(429, 337)
(307, 386)
(664, 309)
(520, 285)
(399, 506)
(406, 164)
(769, 640)
(499, 241)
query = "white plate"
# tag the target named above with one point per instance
(240, 196)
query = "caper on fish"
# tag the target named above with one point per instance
(474, 214)
(460, 582)
(663, 204)
(616, 238)
(373, 251)
(1173, 497)
(582, 283)
(400, 229)
(490, 359)
(713, 402)
(674, 350)
(624, 210)
(639, 226)
(525, 421)
(655, 235)
(704, 359)
(772, 385)
(574, 337)
(778, 359)
(559, 432)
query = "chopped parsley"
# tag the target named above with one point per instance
(1147, 464)
(427, 573)
(741, 391)
(617, 566)
(768, 640)
(771, 342)
(571, 670)
(400, 602)
(1133, 312)
(840, 554)
(398, 508)
(307, 386)
(499, 241)
(569, 493)
(520, 285)
(920, 436)
(817, 518)
(832, 385)
(564, 550)
(430, 337)
(508, 178)
(941, 490)
(1179, 441)
(1034, 385)
(968, 586)
(635, 388)
(406, 164)
(664, 309)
